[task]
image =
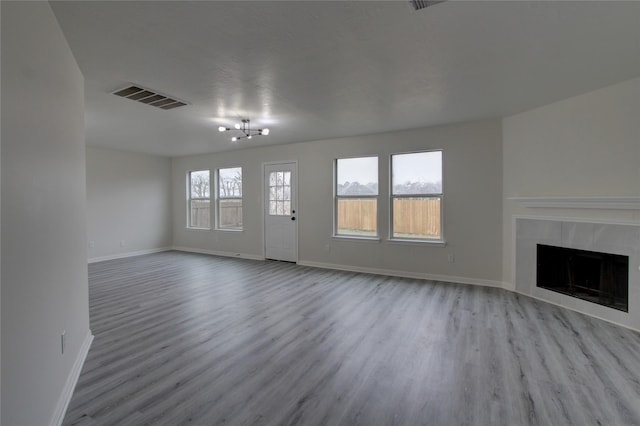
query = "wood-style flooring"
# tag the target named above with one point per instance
(183, 338)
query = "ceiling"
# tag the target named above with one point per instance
(320, 70)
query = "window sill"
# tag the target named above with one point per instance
(356, 238)
(229, 230)
(193, 228)
(435, 243)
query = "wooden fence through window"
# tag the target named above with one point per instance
(230, 214)
(420, 217)
(411, 216)
(416, 216)
(200, 214)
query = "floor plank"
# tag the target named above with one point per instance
(183, 338)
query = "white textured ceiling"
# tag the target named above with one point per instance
(319, 70)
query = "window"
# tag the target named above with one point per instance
(230, 198)
(356, 192)
(199, 200)
(416, 196)
(280, 193)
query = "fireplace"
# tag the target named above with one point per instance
(608, 254)
(601, 278)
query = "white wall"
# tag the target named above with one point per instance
(587, 146)
(472, 205)
(44, 262)
(128, 199)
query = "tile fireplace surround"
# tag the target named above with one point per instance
(623, 239)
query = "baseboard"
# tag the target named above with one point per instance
(72, 379)
(396, 273)
(128, 254)
(577, 310)
(218, 253)
(508, 286)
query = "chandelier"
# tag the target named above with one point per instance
(244, 129)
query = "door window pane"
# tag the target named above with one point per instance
(280, 193)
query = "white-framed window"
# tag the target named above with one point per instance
(356, 197)
(229, 199)
(199, 199)
(416, 196)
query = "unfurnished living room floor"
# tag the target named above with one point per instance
(194, 339)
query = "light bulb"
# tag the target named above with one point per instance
(265, 132)
(233, 139)
(237, 126)
(222, 129)
(249, 137)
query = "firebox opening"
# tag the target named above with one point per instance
(601, 278)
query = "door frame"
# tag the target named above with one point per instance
(265, 205)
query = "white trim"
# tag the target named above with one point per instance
(606, 203)
(356, 238)
(72, 380)
(404, 274)
(576, 219)
(514, 242)
(425, 242)
(589, 314)
(219, 253)
(128, 254)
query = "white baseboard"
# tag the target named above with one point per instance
(219, 253)
(128, 254)
(508, 286)
(350, 268)
(396, 273)
(72, 379)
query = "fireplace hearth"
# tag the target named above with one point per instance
(601, 278)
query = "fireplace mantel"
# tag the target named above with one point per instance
(605, 203)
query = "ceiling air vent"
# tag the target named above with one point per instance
(421, 4)
(149, 97)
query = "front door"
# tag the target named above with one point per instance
(280, 212)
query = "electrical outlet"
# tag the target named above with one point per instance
(122, 243)
(92, 244)
(451, 258)
(63, 341)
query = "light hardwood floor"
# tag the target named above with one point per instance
(193, 339)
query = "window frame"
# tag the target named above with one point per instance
(219, 197)
(440, 196)
(190, 199)
(337, 198)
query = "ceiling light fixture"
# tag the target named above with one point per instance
(245, 129)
